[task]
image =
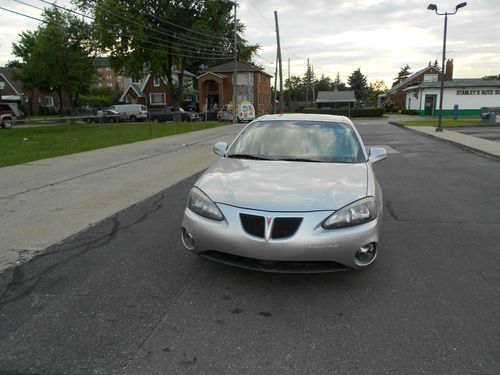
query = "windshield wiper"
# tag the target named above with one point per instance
(301, 159)
(246, 156)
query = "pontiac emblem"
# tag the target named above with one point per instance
(269, 219)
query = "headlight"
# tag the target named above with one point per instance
(356, 213)
(203, 205)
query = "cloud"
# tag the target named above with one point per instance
(378, 36)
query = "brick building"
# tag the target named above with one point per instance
(215, 86)
(397, 96)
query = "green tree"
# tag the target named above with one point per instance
(324, 84)
(404, 73)
(295, 86)
(159, 37)
(57, 56)
(337, 84)
(375, 89)
(308, 81)
(357, 81)
(493, 77)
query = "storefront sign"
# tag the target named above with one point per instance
(479, 92)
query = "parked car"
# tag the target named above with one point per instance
(292, 193)
(244, 112)
(132, 112)
(7, 116)
(106, 115)
(487, 112)
(168, 115)
(209, 115)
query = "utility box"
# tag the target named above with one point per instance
(455, 112)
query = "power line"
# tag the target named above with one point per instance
(258, 11)
(201, 52)
(209, 50)
(33, 6)
(140, 47)
(185, 38)
(174, 24)
(24, 15)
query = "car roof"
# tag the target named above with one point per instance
(305, 117)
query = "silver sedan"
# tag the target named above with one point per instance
(292, 193)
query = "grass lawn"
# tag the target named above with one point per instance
(444, 123)
(24, 145)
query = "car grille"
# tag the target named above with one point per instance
(282, 227)
(274, 266)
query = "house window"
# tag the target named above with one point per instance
(49, 101)
(157, 98)
(110, 84)
(430, 77)
(156, 81)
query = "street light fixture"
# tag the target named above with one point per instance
(445, 14)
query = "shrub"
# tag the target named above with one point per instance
(409, 112)
(354, 112)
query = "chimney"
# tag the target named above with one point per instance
(448, 74)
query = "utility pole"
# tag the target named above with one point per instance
(275, 83)
(288, 108)
(307, 83)
(312, 84)
(235, 74)
(279, 59)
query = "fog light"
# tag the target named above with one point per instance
(366, 254)
(187, 239)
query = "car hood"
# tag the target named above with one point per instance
(284, 185)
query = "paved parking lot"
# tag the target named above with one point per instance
(491, 133)
(125, 297)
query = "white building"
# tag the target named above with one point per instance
(468, 94)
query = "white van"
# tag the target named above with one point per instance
(245, 112)
(132, 112)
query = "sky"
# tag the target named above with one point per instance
(340, 36)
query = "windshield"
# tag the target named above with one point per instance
(312, 141)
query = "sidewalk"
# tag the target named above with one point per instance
(45, 201)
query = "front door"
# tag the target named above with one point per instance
(430, 105)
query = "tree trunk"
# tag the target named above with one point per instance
(59, 93)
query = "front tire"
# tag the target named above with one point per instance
(7, 123)
(133, 118)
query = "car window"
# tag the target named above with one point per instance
(299, 140)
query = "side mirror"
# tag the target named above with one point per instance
(376, 154)
(220, 148)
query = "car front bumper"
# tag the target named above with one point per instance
(227, 241)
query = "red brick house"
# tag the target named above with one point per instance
(31, 102)
(396, 94)
(152, 91)
(215, 86)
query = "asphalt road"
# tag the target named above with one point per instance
(124, 297)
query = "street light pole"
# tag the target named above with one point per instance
(441, 89)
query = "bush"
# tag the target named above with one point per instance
(355, 112)
(409, 112)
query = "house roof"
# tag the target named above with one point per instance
(8, 74)
(221, 76)
(136, 88)
(395, 88)
(101, 61)
(229, 68)
(335, 97)
(458, 83)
